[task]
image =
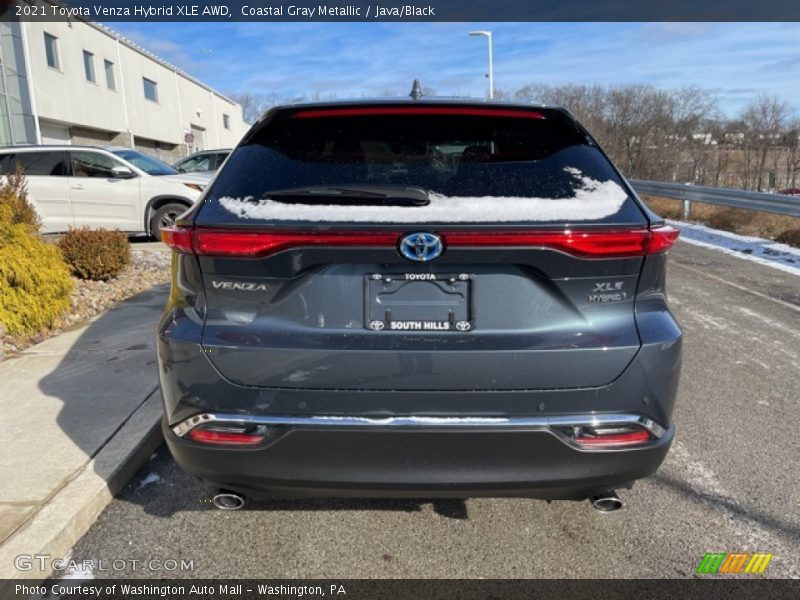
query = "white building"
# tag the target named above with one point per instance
(78, 82)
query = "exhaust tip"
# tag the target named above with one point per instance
(606, 502)
(228, 501)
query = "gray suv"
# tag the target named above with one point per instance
(420, 298)
(203, 161)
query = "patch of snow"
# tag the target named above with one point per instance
(76, 569)
(79, 572)
(465, 420)
(765, 252)
(708, 321)
(419, 420)
(151, 478)
(298, 376)
(592, 200)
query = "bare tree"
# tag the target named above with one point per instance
(692, 110)
(792, 144)
(680, 135)
(638, 121)
(764, 120)
(254, 105)
(587, 103)
(251, 107)
(719, 158)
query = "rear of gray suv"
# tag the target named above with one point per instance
(422, 298)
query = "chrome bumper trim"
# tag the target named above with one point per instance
(184, 427)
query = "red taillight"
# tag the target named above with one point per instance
(579, 243)
(628, 438)
(177, 239)
(224, 438)
(662, 238)
(584, 244)
(590, 244)
(379, 111)
(234, 243)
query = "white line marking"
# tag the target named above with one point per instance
(735, 285)
(767, 321)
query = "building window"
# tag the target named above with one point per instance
(51, 50)
(226, 121)
(150, 89)
(110, 81)
(88, 66)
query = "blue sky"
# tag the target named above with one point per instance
(735, 61)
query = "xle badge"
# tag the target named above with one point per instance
(607, 291)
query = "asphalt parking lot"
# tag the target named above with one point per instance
(730, 482)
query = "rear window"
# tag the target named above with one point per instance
(503, 163)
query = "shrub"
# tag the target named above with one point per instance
(663, 207)
(97, 254)
(790, 237)
(730, 219)
(14, 206)
(35, 284)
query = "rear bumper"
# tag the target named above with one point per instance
(367, 460)
(373, 460)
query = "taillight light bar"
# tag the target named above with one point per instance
(257, 244)
(586, 244)
(581, 243)
(372, 111)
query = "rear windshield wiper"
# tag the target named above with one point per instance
(351, 195)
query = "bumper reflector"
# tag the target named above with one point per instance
(226, 437)
(614, 438)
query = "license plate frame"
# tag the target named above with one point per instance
(401, 301)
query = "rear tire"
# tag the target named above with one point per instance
(165, 217)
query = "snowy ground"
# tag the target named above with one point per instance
(765, 252)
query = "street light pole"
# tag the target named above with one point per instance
(488, 36)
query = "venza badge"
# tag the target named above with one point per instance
(421, 247)
(242, 286)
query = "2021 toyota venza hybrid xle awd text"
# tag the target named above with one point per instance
(420, 298)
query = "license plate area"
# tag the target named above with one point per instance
(435, 302)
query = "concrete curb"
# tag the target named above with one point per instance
(55, 528)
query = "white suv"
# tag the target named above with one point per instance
(114, 188)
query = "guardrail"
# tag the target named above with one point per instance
(762, 201)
